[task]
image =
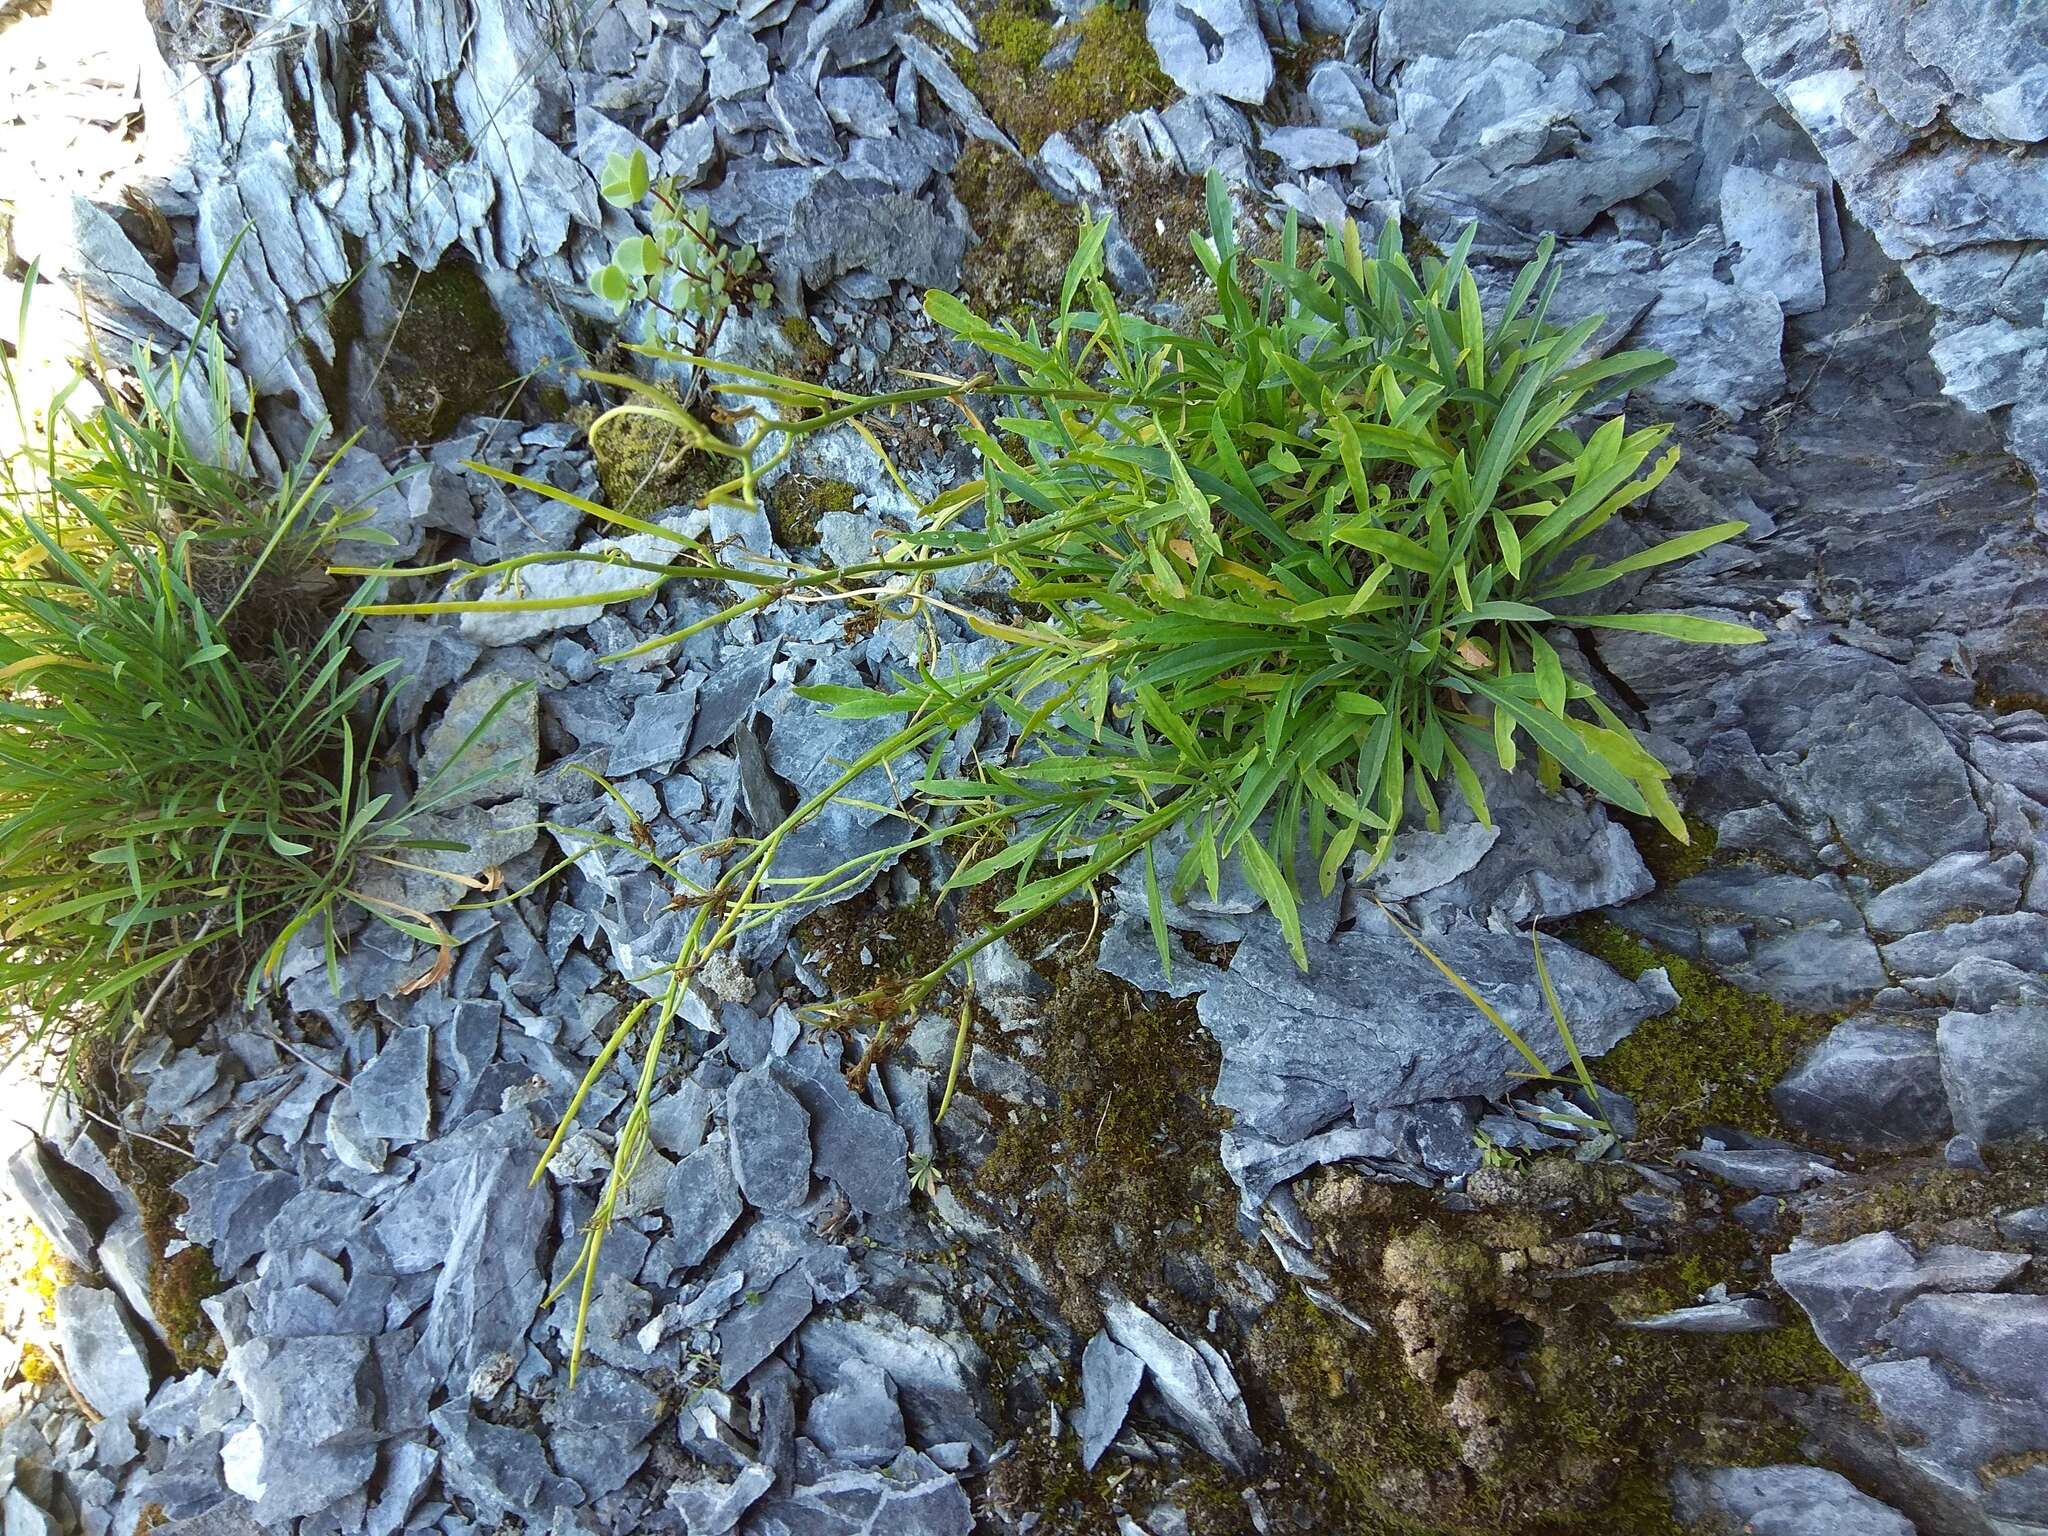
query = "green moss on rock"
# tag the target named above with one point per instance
(1024, 235)
(446, 356)
(812, 355)
(1927, 1202)
(646, 465)
(178, 1284)
(1500, 1391)
(1132, 1127)
(1113, 71)
(1670, 860)
(1711, 1060)
(798, 504)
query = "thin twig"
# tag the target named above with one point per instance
(170, 978)
(55, 1355)
(309, 1061)
(156, 1141)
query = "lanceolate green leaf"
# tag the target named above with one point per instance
(1674, 626)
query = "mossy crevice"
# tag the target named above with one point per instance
(1024, 236)
(1927, 1202)
(1501, 1391)
(178, 1284)
(811, 354)
(1671, 861)
(1142, 1199)
(445, 357)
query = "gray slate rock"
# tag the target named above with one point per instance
(1556, 855)
(229, 1204)
(855, 1145)
(1801, 941)
(1410, 29)
(739, 64)
(712, 1508)
(589, 584)
(1995, 1067)
(390, 1093)
(1747, 1314)
(1194, 1381)
(801, 117)
(1373, 1024)
(2029, 1225)
(912, 1496)
(858, 1421)
(702, 1202)
(1110, 1375)
(845, 227)
(1962, 1395)
(1954, 887)
(1776, 226)
(771, 1141)
(952, 90)
(104, 1350)
(67, 1205)
(598, 1431)
(1930, 118)
(1337, 94)
(2017, 939)
(1211, 47)
(939, 1376)
(1783, 1501)
(1769, 1170)
(729, 694)
(504, 753)
(498, 1469)
(1870, 1083)
(307, 1392)
(127, 1258)
(751, 1333)
(484, 1226)
(657, 733)
(1310, 149)
(1850, 1290)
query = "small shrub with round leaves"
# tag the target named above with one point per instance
(680, 268)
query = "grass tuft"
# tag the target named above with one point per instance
(1269, 585)
(184, 739)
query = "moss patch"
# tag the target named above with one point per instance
(1926, 1202)
(46, 1274)
(1113, 71)
(646, 465)
(1713, 1059)
(446, 356)
(1292, 66)
(1669, 860)
(1499, 1392)
(798, 504)
(868, 939)
(1160, 210)
(177, 1285)
(1024, 235)
(813, 356)
(1132, 1129)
